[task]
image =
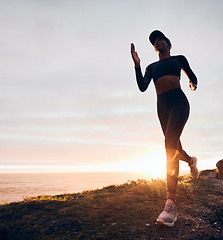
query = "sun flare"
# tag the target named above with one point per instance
(152, 164)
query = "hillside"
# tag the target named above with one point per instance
(127, 211)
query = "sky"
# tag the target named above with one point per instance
(69, 99)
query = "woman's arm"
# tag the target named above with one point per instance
(190, 74)
(143, 82)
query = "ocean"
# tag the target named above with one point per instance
(16, 186)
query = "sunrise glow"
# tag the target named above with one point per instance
(152, 164)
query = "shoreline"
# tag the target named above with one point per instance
(23, 185)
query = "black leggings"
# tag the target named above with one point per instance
(173, 111)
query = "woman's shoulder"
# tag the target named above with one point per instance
(151, 65)
(179, 57)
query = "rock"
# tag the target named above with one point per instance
(219, 166)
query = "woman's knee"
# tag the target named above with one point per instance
(171, 142)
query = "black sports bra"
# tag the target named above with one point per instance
(167, 66)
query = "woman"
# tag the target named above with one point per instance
(173, 111)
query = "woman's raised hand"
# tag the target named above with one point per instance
(135, 56)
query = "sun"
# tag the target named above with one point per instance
(152, 163)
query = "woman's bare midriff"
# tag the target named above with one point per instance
(167, 83)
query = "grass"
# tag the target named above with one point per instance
(126, 211)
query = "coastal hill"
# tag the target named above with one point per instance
(122, 212)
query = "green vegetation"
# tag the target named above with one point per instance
(127, 211)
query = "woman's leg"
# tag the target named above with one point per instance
(182, 154)
(176, 121)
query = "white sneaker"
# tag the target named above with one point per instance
(193, 168)
(169, 215)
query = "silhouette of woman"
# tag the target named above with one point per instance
(173, 111)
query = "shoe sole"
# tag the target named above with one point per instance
(165, 223)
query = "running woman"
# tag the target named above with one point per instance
(173, 111)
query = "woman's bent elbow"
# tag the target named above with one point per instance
(142, 89)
